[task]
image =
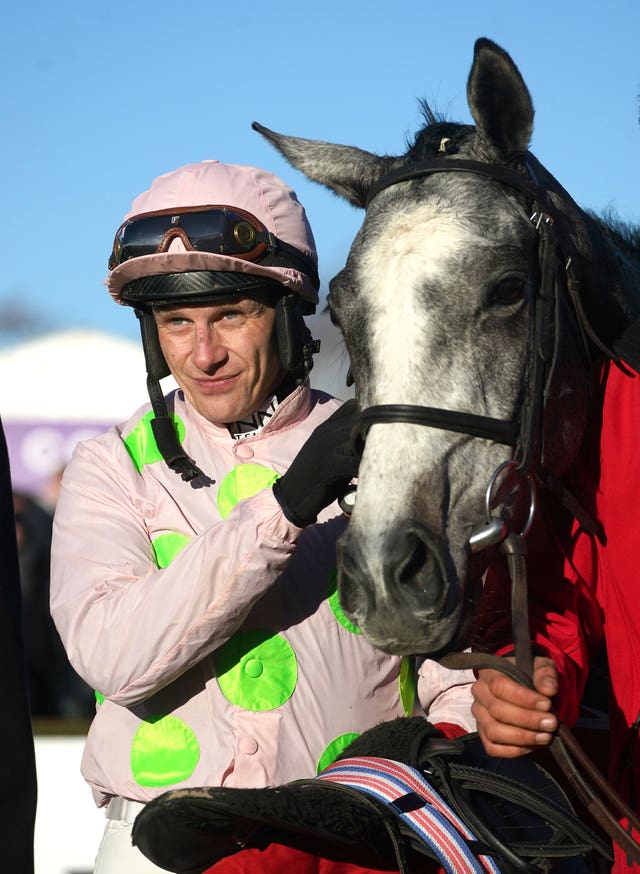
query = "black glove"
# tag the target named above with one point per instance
(322, 469)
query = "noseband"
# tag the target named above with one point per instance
(525, 433)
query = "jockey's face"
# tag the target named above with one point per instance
(224, 356)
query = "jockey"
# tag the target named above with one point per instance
(603, 573)
(193, 560)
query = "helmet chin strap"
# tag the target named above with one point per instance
(162, 425)
(164, 432)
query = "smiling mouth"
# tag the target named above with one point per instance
(217, 383)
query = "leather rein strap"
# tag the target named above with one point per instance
(585, 780)
(526, 436)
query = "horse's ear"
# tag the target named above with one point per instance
(499, 101)
(345, 170)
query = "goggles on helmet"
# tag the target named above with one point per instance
(220, 230)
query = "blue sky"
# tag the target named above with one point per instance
(101, 97)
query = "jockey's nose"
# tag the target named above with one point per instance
(209, 352)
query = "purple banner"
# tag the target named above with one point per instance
(39, 450)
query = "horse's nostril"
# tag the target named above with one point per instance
(416, 557)
(413, 562)
(410, 568)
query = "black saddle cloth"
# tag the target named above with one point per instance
(516, 811)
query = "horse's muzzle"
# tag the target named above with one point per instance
(399, 591)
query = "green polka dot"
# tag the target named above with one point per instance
(244, 481)
(334, 603)
(407, 684)
(167, 546)
(141, 444)
(164, 751)
(334, 749)
(257, 670)
(99, 696)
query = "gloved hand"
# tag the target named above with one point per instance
(322, 469)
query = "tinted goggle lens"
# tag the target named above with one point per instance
(219, 230)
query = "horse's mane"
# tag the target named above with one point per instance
(623, 234)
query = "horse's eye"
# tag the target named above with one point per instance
(509, 290)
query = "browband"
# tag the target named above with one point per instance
(445, 165)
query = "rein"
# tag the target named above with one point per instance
(564, 747)
(526, 436)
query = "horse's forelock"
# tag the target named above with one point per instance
(438, 135)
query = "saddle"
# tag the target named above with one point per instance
(399, 794)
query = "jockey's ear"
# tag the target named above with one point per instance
(500, 103)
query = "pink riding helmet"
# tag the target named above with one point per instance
(210, 182)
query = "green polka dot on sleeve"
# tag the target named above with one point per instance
(257, 670)
(141, 444)
(244, 481)
(167, 546)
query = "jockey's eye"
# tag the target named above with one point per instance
(507, 291)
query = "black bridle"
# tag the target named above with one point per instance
(525, 433)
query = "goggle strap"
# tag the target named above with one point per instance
(281, 254)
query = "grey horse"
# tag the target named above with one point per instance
(478, 291)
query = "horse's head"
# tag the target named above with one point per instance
(447, 302)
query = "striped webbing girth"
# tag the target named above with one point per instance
(418, 805)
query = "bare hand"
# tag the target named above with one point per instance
(512, 720)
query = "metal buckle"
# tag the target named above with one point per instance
(495, 530)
